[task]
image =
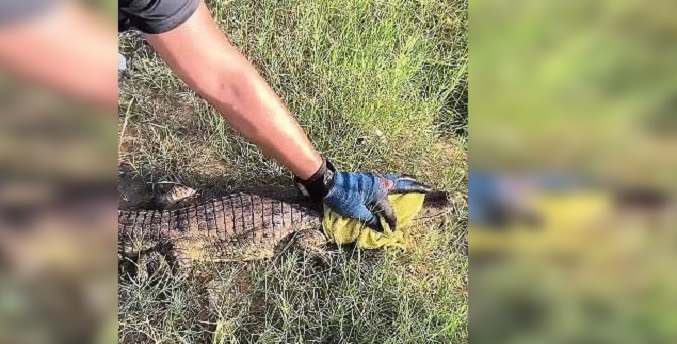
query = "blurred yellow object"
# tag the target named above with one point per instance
(347, 231)
(567, 222)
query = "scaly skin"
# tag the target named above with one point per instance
(237, 227)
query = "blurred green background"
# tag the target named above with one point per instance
(580, 85)
(583, 89)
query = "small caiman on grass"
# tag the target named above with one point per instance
(236, 227)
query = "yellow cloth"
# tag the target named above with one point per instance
(346, 231)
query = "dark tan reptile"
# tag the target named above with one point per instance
(236, 227)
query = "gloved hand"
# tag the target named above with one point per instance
(362, 196)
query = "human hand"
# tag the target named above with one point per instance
(364, 196)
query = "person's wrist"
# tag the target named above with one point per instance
(318, 184)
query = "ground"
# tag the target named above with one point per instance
(378, 86)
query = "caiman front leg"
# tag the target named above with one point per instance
(314, 243)
(150, 258)
(178, 259)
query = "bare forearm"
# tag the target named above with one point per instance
(251, 107)
(202, 56)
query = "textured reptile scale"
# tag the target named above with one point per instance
(234, 227)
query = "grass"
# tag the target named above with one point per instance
(378, 86)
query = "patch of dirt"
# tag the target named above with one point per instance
(446, 148)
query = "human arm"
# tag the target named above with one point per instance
(203, 57)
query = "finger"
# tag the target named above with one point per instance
(409, 186)
(397, 176)
(384, 209)
(405, 183)
(407, 177)
(364, 215)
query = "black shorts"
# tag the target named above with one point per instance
(154, 16)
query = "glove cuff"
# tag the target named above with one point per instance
(318, 185)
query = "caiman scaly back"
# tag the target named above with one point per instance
(236, 227)
(231, 228)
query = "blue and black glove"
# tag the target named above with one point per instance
(361, 196)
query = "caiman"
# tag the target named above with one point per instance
(237, 227)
